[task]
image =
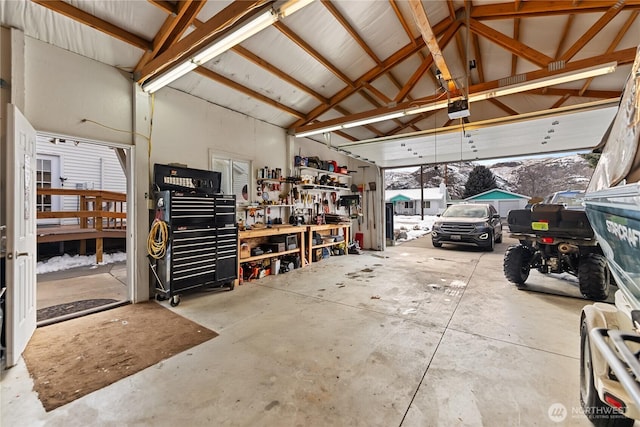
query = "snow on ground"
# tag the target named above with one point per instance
(67, 261)
(413, 225)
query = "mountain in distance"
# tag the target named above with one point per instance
(529, 177)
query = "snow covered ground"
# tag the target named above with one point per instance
(66, 262)
(412, 225)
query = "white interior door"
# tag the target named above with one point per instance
(21, 234)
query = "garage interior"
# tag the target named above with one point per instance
(399, 335)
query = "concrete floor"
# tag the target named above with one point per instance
(413, 336)
(95, 282)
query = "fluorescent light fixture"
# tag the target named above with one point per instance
(236, 37)
(569, 76)
(318, 131)
(168, 77)
(218, 47)
(373, 120)
(557, 79)
(427, 107)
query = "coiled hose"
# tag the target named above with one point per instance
(158, 239)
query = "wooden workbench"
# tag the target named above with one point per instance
(261, 235)
(333, 229)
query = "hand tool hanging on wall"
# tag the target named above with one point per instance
(372, 187)
(366, 202)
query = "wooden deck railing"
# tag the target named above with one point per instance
(100, 214)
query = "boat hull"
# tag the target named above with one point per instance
(614, 214)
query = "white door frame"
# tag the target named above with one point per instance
(132, 264)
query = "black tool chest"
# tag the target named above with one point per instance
(201, 249)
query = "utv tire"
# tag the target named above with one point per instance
(499, 239)
(594, 277)
(598, 412)
(516, 264)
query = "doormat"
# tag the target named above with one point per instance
(71, 359)
(70, 308)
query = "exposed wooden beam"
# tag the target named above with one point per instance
(403, 21)
(186, 16)
(511, 45)
(415, 78)
(632, 17)
(346, 136)
(503, 106)
(592, 32)
(418, 118)
(235, 13)
(250, 56)
(452, 10)
(352, 31)
(377, 93)
(164, 5)
(516, 36)
(478, 56)
(527, 9)
(429, 36)
(85, 18)
(560, 101)
(621, 57)
(313, 53)
(600, 94)
(249, 92)
(563, 37)
(172, 29)
(369, 76)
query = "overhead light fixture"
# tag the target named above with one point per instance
(251, 28)
(373, 120)
(315, 132)
(237, 36)
(171, 75)
(553, 80)
(459, 111)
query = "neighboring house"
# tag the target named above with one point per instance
(407, 202)
(502, 200)
(67, 164)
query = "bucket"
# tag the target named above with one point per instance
(360, 239)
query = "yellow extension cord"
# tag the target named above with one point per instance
(158, 239)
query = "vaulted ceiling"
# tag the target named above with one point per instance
(334, 63)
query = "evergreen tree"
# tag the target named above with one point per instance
(480, 180)
(591, 158)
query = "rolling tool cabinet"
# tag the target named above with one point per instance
(201, 244)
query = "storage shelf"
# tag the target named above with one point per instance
(274, 180)
(326, 245)
(322, 187)
(324, 172)
(248, 208)
(269, 255)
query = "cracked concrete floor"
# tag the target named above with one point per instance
(412, 336)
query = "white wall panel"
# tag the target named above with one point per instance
(63, 88)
